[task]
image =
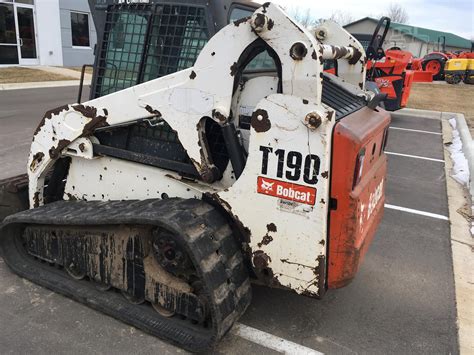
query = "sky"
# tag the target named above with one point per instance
(455, 16)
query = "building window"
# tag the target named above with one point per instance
(80, 29)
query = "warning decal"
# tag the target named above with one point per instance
(286, 190)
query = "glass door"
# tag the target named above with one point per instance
(26, 35)
(8, 35)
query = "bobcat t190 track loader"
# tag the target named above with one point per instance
(174, 193)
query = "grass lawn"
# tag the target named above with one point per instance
(26, 75)
(79, 69)
(446, 98)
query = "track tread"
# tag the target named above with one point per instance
(215, 252)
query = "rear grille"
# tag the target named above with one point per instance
(341, 100)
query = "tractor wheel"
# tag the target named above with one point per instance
(468, 81)
(435, 66)
(454, 79)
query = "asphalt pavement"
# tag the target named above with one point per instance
(401, 302)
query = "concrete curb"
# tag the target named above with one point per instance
(42, 84)
(462, 247)
(74, 74)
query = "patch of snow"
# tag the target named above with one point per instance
(460, 171)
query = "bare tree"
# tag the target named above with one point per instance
(341, 17)
(397, 13)
(303, 16)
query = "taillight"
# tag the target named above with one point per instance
(359, 167)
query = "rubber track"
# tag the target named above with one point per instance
(211, 246)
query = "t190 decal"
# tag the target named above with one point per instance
(291, 165)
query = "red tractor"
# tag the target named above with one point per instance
(435, 62)
(394, 70)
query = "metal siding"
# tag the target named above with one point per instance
(76, 56)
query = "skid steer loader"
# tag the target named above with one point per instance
(157, 203)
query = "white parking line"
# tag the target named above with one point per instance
(421, 213)
(414, 156)
(415, 130)
(271, 341)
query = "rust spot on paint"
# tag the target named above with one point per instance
(260, 121)
(271, 227)
(92, 125)
(314, 55)
(241, 21)
(322, 242)
(54, 152)
(152, 111)
(218, 116)
(325, 174)
(305, 101)
(234, 68)
(321, 273)
(55, 111)
(271, 24)
(49, 114)
(267, 239)
(357, 55)
(37, 159)
(193, 75)
(82, 147)
(36, 199)
(71, 197)
(86, 111)
(323, 201)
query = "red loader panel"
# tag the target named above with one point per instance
(358, 159)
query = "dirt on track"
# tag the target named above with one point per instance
(446, 98)
(27, 75)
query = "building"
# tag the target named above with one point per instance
(417, 40)
(46, 32)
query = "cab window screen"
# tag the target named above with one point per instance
(144, 42)
(122, 49)
(176, 39)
